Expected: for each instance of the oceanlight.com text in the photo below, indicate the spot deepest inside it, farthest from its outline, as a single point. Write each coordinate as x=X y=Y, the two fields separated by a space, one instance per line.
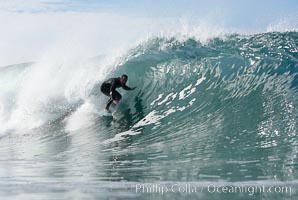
x=188 y=188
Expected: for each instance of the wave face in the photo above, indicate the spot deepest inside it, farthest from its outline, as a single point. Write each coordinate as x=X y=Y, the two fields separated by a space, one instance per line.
x=223 y=110
x=240 y=89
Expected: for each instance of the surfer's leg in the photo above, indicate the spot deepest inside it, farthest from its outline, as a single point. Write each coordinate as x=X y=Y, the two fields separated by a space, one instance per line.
x=109 y=104
x=116 y=97
x=105 y=88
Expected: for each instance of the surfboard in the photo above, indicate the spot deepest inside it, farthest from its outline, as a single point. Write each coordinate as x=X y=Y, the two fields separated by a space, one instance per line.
x=104 y=113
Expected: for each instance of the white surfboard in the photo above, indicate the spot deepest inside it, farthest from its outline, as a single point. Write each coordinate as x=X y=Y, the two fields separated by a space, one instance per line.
x=103 y=113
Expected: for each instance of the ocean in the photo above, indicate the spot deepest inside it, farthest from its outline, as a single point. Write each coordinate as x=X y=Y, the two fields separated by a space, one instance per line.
x=214 y=119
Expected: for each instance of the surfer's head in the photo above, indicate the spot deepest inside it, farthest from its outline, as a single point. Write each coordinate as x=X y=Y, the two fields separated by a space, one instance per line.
x=123 y=79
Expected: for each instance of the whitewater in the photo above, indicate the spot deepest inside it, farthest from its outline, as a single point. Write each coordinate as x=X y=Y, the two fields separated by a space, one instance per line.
x=220 y=110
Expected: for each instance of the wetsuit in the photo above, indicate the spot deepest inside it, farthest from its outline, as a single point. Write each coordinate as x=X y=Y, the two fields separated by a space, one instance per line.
x=110 y=86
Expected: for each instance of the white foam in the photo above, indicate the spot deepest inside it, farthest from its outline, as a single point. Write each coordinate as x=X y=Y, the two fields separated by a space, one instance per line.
x=283 y=25
x=171 y=95
x=200 y=80
x=82 y=118
x=182 y=93
x=156 y=100
x=151 y=118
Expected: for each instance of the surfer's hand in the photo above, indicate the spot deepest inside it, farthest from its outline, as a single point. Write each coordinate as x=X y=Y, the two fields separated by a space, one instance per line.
x=133 y=88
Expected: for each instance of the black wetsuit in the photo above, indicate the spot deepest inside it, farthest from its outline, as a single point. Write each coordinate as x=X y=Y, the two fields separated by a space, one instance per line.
x=110 y=86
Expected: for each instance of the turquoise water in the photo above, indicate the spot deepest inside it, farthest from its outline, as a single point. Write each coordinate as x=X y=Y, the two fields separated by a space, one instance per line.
x=209 y=120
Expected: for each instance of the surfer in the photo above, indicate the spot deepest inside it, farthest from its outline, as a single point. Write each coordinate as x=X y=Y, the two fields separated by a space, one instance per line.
x=109 y=89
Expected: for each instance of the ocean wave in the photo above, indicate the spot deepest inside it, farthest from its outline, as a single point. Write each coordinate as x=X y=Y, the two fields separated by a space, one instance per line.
x=182 y=79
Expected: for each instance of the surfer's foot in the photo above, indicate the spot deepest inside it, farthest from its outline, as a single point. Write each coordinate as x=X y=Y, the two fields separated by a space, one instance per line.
x=107 y=110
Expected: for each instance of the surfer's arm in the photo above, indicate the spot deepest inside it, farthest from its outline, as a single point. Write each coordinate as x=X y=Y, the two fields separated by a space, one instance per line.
x=125 y=87
x=113 y=87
